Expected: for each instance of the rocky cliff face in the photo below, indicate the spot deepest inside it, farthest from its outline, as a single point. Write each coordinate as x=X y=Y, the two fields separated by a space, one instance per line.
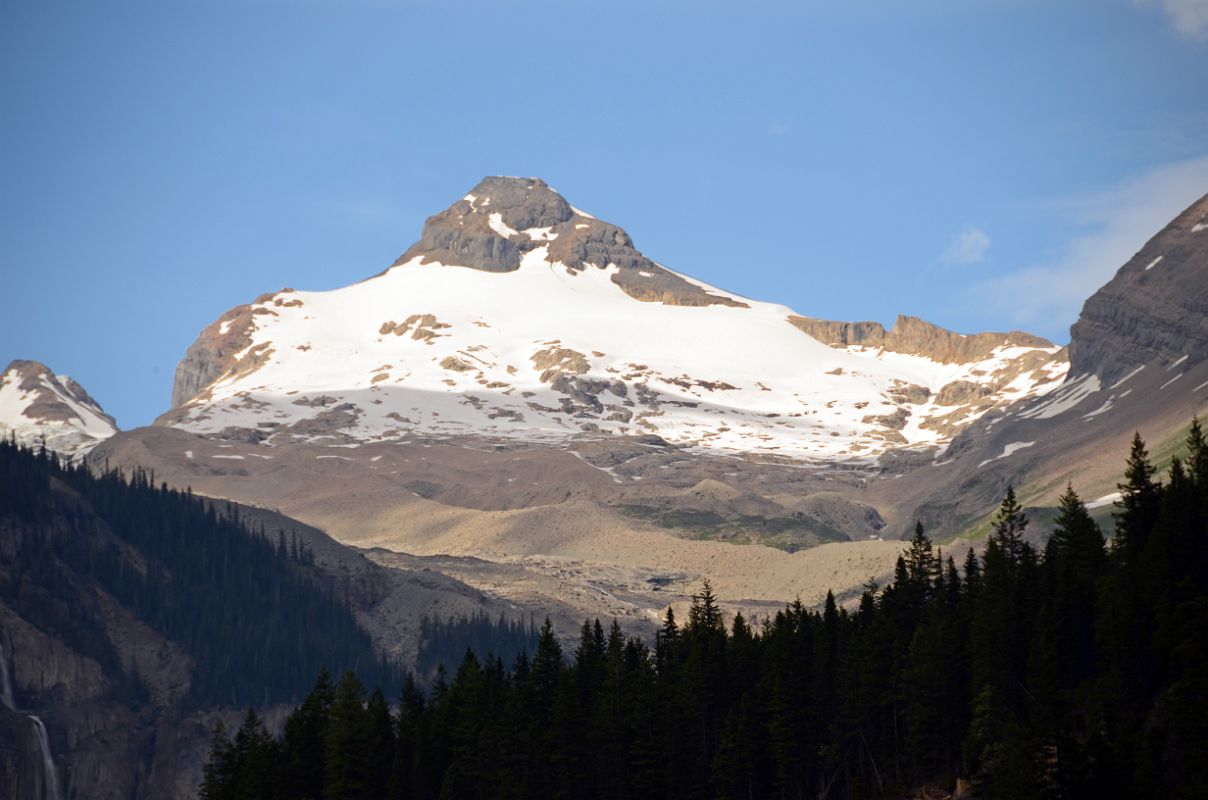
x=1155 y=308
x=214 y=353
x=502 y=219
x=22 y=773
x=38 y=406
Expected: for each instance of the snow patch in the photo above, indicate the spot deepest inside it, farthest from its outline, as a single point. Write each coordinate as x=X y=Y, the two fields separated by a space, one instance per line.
x=1013 y=447
x=1101 y=409
x=1065 y=398
x=495 y=220
x=1126 y=377
x=1153 y=263
x=541 y=234
x=1105 y=500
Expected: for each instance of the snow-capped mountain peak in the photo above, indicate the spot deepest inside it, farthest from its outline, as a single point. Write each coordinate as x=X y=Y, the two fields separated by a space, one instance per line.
x=38 y=406
x=517 y=316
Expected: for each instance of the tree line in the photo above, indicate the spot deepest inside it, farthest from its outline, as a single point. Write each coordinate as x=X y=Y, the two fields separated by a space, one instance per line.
x=1076 y=670
x=443 y=642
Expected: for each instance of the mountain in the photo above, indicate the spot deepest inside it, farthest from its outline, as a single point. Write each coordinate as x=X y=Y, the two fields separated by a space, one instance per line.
x=1138 y=363
x=38 y=406
x=518 y=316
x=536 y=409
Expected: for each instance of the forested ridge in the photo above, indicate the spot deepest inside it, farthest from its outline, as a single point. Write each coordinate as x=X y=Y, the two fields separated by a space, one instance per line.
x=1080 y=670
x=244 y=604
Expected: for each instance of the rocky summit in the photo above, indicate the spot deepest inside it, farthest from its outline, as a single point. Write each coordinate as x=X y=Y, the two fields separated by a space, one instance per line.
x=502 y=219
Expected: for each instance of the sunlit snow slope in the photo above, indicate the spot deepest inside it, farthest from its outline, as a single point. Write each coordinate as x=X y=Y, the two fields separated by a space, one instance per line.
x=39 y=407
x=543 y=350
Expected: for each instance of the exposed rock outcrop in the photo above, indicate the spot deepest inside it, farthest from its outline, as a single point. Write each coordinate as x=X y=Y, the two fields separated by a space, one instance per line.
x=1155 y=308
x=215 y=351
x=916 y=337
x=502 y=218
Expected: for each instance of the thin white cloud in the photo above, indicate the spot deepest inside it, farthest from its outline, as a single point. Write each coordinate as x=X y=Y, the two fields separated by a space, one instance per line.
x=969 y=247
x=1189 y=17
x=1117 y=223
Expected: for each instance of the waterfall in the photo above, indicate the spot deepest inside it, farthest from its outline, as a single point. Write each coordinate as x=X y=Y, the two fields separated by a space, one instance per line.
x=6 y=684
x=48 y=763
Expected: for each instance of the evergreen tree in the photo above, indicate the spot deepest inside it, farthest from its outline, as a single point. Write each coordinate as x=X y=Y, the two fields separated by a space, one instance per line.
x=412 y=709
x=347 y=773
x=218 y=775
x=547 y=666
x=1197 y=453
x=921 y=562
x=1002 y=615
x=1009 y=526
x=1076 y=539
x=1075 y=564
x=1137 y=506
x=384 y=747
x=972 y=572
x=255 y=755
x=304 y=741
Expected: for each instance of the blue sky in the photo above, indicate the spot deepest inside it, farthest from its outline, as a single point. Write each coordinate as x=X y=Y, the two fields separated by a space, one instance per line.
x=984 y=165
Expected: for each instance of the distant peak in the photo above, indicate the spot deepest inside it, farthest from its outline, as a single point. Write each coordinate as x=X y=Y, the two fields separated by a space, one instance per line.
x=42 y=407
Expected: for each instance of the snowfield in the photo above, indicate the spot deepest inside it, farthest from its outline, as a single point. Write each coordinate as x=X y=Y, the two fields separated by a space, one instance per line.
x=545 y=353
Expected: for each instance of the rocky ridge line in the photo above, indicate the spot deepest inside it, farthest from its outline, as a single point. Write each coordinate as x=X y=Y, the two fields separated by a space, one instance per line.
x=916 y=337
